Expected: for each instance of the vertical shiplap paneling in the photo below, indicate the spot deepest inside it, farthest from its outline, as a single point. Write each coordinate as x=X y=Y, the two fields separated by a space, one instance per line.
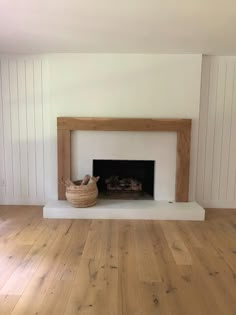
x=231 y=185
x=7 y=126
x=23 y=126
x=39 y=135
x=202 y=131
x=217 y=143
x=226 y=130
x=210 y=129
x=22 y=170
x=218 y=130
x=2 y=145
x=31 y=132
x=49 y=140
x=15 y=131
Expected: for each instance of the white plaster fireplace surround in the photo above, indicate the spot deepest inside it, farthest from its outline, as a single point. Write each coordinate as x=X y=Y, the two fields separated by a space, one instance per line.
x=128 y=145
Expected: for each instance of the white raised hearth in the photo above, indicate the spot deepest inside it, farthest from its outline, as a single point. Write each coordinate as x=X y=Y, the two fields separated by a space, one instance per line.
x=127 y=209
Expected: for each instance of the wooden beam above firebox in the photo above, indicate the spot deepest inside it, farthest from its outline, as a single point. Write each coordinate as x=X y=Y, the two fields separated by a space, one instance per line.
x=122 y=124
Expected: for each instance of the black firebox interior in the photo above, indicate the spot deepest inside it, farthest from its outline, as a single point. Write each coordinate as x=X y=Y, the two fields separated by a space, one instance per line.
x=138 y=170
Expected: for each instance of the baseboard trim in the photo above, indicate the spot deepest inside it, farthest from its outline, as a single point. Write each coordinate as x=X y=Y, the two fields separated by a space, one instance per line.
x=217 y=204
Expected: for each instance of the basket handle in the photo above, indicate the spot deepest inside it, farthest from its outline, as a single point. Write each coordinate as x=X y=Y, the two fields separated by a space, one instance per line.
x=94 y=179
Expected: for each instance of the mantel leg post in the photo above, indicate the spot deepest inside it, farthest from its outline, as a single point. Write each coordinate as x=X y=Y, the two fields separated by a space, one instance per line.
x=63 y=160
x=183 y=165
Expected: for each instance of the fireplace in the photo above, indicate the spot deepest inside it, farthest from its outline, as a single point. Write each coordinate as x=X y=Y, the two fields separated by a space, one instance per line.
x=125 y=179
x=182 y=127
x=143 y=147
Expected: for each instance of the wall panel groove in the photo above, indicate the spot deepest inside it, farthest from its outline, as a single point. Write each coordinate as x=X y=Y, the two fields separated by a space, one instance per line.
x=2 y=143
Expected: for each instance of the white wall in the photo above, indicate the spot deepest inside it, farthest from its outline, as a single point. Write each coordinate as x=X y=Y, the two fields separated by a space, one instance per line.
x=125 y=85
x=112 y=85
x=128 y=85
x=216 y=178
x=157 y=146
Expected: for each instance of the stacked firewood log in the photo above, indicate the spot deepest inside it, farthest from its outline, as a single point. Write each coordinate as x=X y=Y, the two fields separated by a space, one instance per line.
x=85 y=181
x=123 y=184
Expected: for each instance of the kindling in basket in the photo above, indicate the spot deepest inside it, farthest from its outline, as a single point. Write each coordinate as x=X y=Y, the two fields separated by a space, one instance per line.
x=82 y=193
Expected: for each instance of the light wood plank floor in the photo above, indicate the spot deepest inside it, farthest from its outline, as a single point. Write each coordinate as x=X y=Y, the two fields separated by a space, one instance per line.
x=101 y=267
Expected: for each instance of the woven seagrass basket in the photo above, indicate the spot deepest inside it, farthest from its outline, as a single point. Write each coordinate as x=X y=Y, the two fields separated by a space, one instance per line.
x=82 y=196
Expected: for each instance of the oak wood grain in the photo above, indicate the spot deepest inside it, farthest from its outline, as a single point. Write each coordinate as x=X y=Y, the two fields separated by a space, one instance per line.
x=104 y=267
x=122 y=124
x=183 y=164
x=63 y=160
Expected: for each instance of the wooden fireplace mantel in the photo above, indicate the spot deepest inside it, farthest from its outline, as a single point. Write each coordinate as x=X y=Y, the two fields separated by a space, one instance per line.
x=182 y=126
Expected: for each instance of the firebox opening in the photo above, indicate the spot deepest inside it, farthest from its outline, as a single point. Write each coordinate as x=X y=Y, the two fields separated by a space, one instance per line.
x=125 y=179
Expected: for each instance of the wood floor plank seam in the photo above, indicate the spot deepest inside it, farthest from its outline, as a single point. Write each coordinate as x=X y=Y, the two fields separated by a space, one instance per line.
x=116 y=267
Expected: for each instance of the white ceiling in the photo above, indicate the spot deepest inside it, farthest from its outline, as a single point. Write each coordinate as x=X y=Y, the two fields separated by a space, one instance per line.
x=145 y=26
